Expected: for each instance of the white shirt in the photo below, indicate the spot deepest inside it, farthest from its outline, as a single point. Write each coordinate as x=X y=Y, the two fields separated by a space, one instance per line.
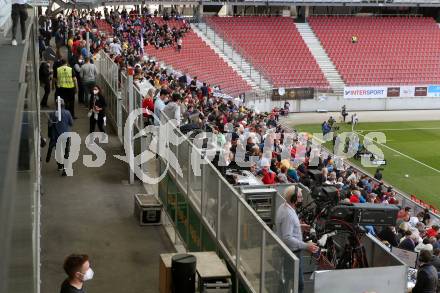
x=115 y=48
x=158 y=107
x=19 y=2
x=288 y=228
x=172 y=111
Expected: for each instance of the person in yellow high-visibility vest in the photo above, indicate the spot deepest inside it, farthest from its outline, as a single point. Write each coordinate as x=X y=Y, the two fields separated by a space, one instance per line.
x=67 y=85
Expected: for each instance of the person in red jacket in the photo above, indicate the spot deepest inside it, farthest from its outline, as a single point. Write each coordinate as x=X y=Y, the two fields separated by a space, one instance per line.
x=433 y=231
x=354 y=198
x=268 y=176
x=148 y=107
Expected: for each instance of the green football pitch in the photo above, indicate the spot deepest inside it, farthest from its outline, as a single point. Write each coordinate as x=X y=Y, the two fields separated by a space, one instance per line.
x=412 y=154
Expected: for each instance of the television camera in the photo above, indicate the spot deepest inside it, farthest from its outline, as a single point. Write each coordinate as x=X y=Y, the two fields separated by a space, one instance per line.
x=338 y=227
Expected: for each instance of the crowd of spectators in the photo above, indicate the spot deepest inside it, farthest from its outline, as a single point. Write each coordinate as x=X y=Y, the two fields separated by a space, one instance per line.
x=244 y=135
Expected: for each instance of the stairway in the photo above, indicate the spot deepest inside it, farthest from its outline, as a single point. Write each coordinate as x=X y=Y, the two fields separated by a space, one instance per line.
x=252 y=76
x=321 y=57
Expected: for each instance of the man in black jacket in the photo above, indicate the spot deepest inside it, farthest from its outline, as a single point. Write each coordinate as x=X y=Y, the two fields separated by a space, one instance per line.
x=388 y=234
x=436 y=259
x=427 y=277
x=44 y=77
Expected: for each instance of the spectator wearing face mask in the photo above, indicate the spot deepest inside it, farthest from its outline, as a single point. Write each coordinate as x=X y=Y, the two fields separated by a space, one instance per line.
x=78 y=270
x=97 y=110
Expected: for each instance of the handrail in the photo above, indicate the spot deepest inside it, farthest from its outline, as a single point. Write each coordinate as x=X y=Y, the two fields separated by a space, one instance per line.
x=239 y=50
x=16 y=91
x=267 y=234
x=236 y=196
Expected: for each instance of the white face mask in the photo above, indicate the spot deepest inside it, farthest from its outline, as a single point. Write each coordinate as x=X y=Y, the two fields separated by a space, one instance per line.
x=88 y=275
x=95 y=92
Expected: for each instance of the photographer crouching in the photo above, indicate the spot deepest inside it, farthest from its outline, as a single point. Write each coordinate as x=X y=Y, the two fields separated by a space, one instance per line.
x=289 y=230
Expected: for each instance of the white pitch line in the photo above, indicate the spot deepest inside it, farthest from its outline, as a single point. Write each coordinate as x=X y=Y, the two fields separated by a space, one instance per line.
x=400 y=129
x=404 y=155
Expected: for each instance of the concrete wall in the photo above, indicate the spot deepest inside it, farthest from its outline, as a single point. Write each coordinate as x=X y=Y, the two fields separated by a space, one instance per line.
x=335 y=104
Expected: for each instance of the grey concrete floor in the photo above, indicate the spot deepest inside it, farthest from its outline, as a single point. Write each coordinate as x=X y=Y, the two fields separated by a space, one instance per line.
x=92 y=213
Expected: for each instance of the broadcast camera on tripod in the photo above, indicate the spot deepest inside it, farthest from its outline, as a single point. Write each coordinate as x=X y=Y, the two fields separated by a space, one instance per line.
x=338 y=228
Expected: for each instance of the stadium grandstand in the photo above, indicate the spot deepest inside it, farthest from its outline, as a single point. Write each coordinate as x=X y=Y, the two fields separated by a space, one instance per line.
x=220 y=146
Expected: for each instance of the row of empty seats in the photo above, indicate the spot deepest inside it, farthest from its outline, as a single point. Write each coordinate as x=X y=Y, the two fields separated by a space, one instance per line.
x=103 y=26
x=274 y=46
x=197 y=59
x=389 y=51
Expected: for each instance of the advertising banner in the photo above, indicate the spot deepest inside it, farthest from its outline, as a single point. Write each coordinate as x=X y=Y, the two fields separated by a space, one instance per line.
x=365 y=92
x=393 y=92
x=434 y=91
x=39 y=2
x=5 y=11
x=407 y=91
x=420 y=91
x=294 y=94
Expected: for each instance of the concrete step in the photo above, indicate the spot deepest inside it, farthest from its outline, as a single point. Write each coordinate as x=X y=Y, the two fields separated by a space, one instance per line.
x=228 y=55
x=325 y=63
x=227 y=52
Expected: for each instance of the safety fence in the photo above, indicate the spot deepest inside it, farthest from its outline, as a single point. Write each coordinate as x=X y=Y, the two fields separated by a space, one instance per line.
x=205 y=210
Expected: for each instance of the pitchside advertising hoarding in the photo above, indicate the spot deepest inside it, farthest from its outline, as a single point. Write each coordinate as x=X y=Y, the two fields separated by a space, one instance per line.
x=434 y=91
x=293 y=94
x=382 y=92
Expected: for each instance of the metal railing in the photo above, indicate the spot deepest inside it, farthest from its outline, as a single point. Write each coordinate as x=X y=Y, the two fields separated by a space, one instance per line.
x=250 y=246
x=20 y=173
x=235 y=53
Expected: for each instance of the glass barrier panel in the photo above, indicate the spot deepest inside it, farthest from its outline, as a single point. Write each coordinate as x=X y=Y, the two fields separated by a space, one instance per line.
x=182 y=216
x=278 y=267
x=163 y=186
x=138 y=105
x=183 y=163
x=171 y=198
x=250 y=246
x=210 y=196
x=195 y=182
x=194 y=226
x=124 y=90
x=172 y=148
x=228 y=218
x=207 y=242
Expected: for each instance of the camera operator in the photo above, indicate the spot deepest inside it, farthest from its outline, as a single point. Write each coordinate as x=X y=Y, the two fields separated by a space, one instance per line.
x=289 y=229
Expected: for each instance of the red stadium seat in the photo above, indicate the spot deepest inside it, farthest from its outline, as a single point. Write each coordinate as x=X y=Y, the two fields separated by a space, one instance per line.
x=198 y=59
x=274 y=46
x=389 y=51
